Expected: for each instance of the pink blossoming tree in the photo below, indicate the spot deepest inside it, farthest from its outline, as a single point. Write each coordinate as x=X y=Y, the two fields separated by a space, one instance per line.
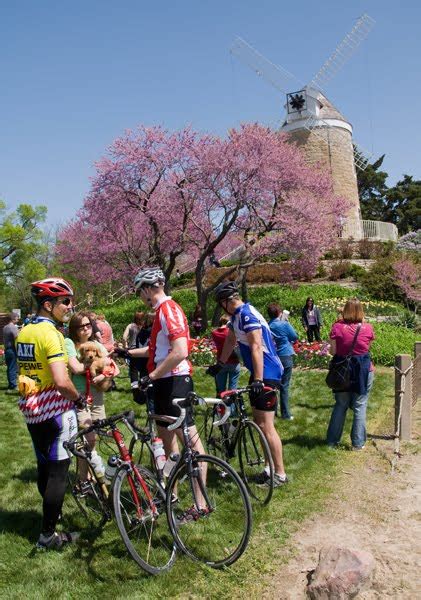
x=158 y=197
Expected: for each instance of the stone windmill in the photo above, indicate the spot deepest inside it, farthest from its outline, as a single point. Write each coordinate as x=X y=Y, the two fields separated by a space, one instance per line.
x=314 y=123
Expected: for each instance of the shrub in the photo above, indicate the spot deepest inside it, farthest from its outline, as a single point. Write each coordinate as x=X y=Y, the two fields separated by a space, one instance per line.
x=346 y=249
x=356 y=271
x=379 y=281
x=321 y=271
x=366 y=249
x=410 y=242
x=340 y=270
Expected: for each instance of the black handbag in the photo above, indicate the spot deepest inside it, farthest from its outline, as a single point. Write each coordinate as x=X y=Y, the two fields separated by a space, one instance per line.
x=338 y=378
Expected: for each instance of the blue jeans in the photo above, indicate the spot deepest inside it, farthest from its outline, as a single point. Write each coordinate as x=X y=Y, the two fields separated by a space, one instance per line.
x=287 y=363
x=358 y=403
x=229 y=373
x=12 y=367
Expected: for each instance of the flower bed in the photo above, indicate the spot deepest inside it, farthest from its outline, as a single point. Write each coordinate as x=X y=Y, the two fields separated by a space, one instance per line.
x=314 y=355
x=202 y=352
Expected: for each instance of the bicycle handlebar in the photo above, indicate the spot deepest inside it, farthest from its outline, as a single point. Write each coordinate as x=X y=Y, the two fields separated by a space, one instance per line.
x=191 y=400
x=70 y=445
x=229 y=395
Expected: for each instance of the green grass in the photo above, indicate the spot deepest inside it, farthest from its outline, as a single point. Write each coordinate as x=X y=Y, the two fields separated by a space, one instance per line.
x=99 y=567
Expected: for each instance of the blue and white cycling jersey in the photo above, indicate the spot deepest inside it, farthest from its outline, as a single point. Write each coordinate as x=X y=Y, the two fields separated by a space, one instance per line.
x=245 y=319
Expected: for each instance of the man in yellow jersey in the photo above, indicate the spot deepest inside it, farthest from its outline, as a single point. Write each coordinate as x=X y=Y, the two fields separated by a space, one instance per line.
x=48 y=399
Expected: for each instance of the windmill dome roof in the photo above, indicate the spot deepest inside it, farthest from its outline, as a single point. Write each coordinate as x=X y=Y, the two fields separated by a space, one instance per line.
x=327 y=110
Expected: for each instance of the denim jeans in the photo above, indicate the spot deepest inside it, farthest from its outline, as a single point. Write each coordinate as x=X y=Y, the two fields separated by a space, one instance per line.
x=12 y=367
x=229 y=373
x=287 y=363
x=358 y=403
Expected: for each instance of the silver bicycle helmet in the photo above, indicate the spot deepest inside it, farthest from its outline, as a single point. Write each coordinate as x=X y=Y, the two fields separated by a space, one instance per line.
x=148 y=276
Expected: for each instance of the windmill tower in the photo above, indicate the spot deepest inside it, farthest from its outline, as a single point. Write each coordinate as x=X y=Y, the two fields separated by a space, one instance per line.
x=315 y=124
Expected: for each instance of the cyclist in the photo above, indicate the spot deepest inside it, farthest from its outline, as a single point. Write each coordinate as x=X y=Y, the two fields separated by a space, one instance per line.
x=168 y=349
x=258 y=352
x=48 y=399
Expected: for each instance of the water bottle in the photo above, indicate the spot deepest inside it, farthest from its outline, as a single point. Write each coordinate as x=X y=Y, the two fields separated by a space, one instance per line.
x=232 y=427
x=170 y=464
x=97 y=464
x=111 y=468
x=159 y=453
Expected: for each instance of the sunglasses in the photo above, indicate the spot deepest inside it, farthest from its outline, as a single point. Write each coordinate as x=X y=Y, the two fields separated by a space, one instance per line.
x=85 y=325
x=65 y=301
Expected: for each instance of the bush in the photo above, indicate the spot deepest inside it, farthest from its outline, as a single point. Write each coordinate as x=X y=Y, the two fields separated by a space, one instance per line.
x=379 y=282
x=340 y=270
x=356 y=271
x=321 y=271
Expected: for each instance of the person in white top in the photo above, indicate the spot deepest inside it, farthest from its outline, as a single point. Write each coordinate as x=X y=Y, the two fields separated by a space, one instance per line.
x=168 y=349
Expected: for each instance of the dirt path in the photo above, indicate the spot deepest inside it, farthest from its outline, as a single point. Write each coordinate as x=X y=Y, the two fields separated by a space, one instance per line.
x=372 y=510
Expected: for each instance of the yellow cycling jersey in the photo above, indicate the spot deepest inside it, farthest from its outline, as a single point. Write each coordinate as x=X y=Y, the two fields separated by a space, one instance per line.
x=38 y=345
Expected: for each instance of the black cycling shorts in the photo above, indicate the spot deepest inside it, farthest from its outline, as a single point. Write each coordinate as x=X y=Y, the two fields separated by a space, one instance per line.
x=167 y=388
x=266 y=401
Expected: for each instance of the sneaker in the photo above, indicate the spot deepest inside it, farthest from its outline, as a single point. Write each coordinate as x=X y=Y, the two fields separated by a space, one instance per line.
x=83 y=488
x=358 y=448
x=289 y=418
x=278 y=482
x=261 y=478
x=56 y=541
x=191 y=515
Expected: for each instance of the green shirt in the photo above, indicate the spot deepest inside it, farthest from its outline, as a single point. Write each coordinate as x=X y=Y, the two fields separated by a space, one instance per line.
x=79 y=380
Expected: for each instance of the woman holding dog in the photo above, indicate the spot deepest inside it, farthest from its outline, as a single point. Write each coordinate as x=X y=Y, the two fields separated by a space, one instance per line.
x=81 y=332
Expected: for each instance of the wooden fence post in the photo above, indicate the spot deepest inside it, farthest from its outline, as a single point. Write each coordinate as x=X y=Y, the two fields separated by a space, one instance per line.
x=403 y=362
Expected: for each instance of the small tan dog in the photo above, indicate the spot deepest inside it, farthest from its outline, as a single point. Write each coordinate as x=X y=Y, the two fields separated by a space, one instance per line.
x=93 y=360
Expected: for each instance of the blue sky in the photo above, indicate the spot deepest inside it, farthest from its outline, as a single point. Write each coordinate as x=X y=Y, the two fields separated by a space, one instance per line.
x=75 y=75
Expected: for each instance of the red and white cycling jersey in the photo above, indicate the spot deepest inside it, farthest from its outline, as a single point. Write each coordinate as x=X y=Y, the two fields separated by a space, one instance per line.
x=170 y=324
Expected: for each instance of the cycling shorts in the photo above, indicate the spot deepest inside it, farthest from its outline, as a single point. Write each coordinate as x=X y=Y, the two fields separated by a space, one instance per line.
x=48 y=436
x=267 y=402
x=167 y=388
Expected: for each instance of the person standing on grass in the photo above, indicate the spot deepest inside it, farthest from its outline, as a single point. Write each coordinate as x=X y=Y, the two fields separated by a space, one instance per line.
x=342 y=337
x=258 y=352
x=231 y=371
x=48 y=400
x=311 y=319
x=10 y=333
x=284 y=335
x=169 y=369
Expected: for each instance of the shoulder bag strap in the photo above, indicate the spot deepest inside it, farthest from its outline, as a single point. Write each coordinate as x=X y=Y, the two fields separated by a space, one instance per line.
x=355 y=339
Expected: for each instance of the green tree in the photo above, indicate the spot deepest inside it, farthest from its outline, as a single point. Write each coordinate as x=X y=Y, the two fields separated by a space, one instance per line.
x=372 y=190
x=22 y=251
x=404 y=205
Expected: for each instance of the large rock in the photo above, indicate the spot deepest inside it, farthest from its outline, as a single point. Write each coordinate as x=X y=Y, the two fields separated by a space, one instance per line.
x=341 y=573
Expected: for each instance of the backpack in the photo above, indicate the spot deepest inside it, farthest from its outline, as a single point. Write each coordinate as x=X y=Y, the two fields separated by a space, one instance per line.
x=338 y=378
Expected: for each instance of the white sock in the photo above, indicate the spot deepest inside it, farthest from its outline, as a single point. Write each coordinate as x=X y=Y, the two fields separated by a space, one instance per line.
x=267 y=470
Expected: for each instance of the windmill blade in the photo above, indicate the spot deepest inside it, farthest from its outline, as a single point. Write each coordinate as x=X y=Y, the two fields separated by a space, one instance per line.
x=344 y=51
x=279 y=77
x=361 y=157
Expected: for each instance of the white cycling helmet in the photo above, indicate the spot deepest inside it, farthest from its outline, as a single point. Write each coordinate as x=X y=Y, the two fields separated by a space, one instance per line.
x=148 y=276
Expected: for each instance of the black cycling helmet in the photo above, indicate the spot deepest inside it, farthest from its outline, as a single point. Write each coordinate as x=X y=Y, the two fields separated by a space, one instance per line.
x=225 y=291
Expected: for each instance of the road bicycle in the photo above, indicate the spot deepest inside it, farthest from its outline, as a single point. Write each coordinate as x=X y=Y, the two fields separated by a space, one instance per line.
x=138 y=498
x=208 y=508
x=242 y=443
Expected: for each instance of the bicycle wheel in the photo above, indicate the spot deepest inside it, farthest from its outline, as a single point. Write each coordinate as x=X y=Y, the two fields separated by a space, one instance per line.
x=146 y=535
x=210 y=522
x=254 y=455
x=90 y=497
x=216 y=437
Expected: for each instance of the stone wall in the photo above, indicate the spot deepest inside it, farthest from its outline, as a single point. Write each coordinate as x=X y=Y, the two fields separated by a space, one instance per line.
x=335 y=150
